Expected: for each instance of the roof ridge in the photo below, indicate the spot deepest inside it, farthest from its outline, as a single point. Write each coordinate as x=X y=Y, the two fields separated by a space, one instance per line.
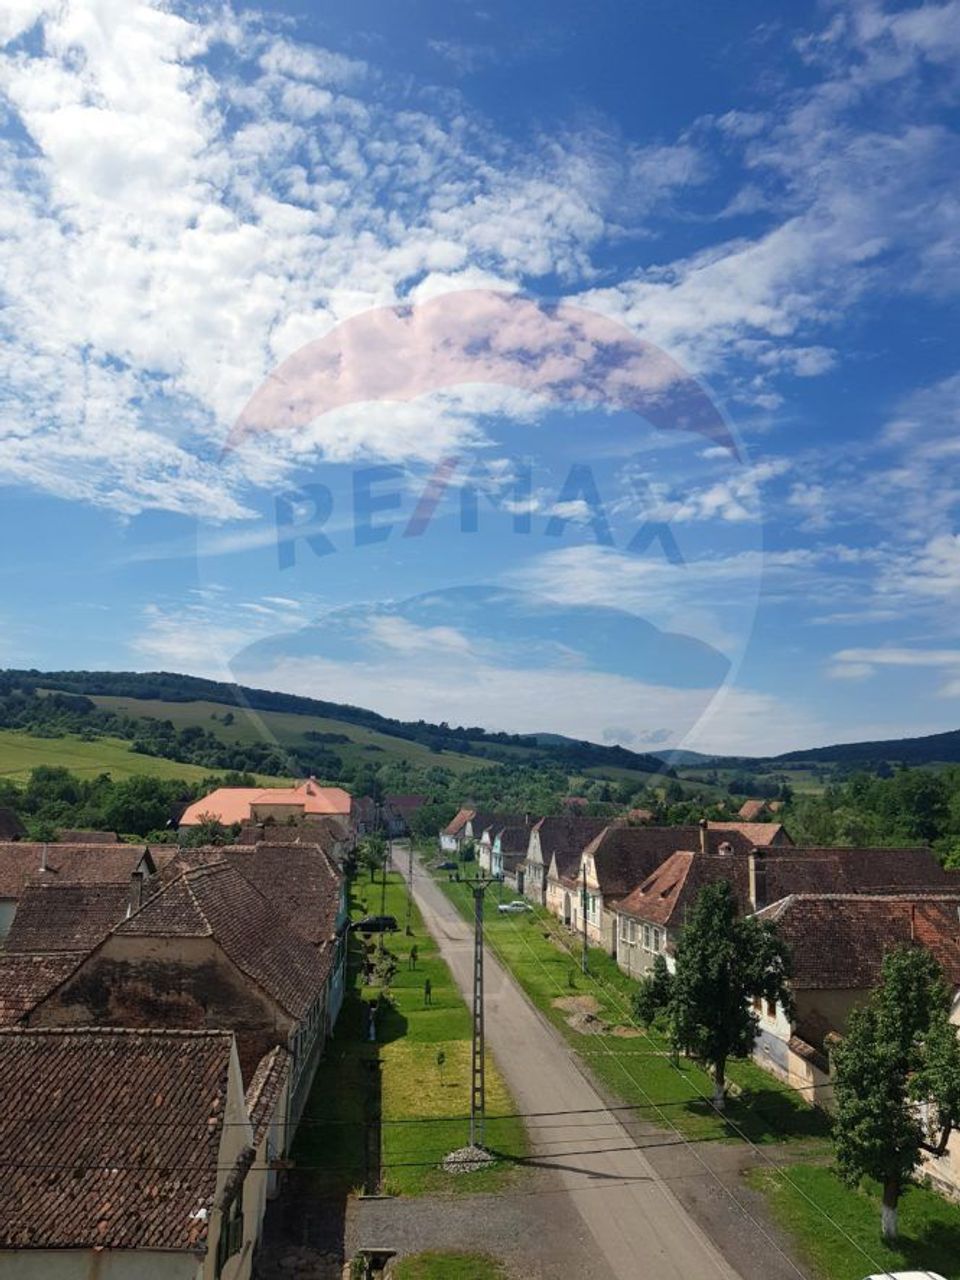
x=142 y=1032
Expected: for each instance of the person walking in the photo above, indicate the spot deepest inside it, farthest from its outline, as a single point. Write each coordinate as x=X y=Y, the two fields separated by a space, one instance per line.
x=427 y=992
x=413 y=956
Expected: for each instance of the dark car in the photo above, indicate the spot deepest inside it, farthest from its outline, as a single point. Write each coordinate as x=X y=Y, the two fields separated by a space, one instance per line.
x=448 y=866
x=376 y=924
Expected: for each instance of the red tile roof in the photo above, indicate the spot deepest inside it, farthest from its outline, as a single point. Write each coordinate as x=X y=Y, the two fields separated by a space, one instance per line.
x=838 y=941
x=26 y=978
x=846 y=870
x=265 y=1088
x=109 y=1138
x=66 y=917
x=455 y=826
x=21 y=862
x=664 y=897
x=217 y=901
x=565 y=837
x=300 y=879
x=626 y=856
x=88 y=837
x=234 y=804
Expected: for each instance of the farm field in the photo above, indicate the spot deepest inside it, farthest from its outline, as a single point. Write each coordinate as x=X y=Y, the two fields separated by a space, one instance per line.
x=289 y=729
x=21 y=752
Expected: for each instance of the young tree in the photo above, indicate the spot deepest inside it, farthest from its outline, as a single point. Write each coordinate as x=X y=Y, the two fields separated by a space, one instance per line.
x=724 y=963
x=372 y=854
x=900 y=1050
x=654 y=990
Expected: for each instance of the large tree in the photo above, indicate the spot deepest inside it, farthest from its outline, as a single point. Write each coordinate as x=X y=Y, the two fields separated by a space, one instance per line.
x=897 y=1079
x=723 y=964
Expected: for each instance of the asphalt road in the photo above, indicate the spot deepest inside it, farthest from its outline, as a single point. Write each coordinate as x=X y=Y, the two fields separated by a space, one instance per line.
x=639 y=1227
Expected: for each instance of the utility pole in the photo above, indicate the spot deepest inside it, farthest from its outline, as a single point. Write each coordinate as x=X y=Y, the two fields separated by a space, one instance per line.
x=584 y=966
x=383 y=888
x=477 y=1073
x=410 y=888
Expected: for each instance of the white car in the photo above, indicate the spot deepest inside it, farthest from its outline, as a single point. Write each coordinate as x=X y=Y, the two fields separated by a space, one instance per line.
x=509 y=908
x=906 y=1275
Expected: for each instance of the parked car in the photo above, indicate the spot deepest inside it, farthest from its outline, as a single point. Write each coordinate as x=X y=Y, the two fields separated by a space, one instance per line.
x=514 y=907
x=376 y=924
x=906 y=1275
x=448 y=866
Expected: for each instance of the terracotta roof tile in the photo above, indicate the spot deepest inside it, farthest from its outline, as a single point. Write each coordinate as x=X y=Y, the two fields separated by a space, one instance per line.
x=565 y=837
x=110 y=1139
x=217 y=901
x=233 y=804
x=26 y=978
x=264 y=1090
x=66 y=917
x=21 y=862
x=455 y=826
x=626 y=856
x=838 y=941
x=664 y=897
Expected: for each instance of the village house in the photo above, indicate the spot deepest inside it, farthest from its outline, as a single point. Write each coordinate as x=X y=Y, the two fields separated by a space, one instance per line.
x=207 y=951
x=132 y=1153
x=305 y=885
x=484 y=829
x=508 y=853
x=618 y=860
x=649 y=918
x=759 y=810
x=229 y=805
x=399 y=810
x=837 y=944
x=25 y=862
x=454 y=834
x=562 y=838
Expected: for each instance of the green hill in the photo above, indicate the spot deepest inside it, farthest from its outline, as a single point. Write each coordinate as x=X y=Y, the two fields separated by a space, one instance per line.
x=20 y=752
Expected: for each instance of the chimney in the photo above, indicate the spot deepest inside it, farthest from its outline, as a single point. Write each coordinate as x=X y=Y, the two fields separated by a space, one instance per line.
x=136 y=891
x=757 y=872
x=703 y=835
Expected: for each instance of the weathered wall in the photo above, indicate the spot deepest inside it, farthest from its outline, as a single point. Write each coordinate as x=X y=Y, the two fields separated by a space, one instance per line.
x=167 y=982
x=86 y=1264
x=8 y=909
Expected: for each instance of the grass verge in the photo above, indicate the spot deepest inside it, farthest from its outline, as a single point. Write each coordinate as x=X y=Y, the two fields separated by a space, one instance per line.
x=423 y=1102
x=448 y=1266
x=636 y=1068
x=803 y=1198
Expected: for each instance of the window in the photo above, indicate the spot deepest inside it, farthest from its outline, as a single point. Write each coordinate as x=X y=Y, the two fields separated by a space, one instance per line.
x=657 y=939
x=231 y=1233
x=633 y=932
x=646 y=937
x=623 y=928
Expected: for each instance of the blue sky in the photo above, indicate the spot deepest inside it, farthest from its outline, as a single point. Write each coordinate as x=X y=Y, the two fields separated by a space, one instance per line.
x=765 y=194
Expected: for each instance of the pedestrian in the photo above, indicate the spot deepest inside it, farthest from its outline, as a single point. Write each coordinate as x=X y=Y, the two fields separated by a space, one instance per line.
x=427 y=992
x=413 y=956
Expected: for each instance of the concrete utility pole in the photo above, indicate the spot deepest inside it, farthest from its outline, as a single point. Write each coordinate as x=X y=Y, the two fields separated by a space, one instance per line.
x=410 y=887
x=584 y=965
x=478 y=1101
x=383 y=887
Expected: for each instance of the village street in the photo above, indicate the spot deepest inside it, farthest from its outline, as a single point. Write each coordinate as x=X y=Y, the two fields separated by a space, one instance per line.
x=636 y=1223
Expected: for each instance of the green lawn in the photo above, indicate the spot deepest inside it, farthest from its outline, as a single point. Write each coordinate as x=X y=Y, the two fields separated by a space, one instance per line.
x=289 y=729
x=20 y=752
x=424 y=1105
x=544 y=958
x=838 y=1230
x=448 y=1266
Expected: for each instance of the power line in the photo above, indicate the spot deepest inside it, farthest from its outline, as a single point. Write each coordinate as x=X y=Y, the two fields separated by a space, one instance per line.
x=726 y=1119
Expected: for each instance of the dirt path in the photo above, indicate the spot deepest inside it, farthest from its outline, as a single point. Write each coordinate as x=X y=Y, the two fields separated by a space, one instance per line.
x=638 y=1226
